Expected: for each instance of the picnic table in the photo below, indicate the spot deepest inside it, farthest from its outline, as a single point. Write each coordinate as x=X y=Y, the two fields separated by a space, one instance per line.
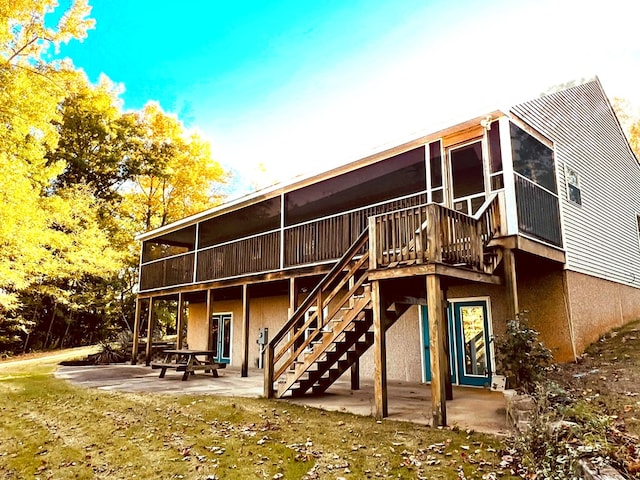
x=188 y=361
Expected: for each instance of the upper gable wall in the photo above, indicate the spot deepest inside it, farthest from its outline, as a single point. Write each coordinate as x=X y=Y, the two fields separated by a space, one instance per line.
x=601 y=235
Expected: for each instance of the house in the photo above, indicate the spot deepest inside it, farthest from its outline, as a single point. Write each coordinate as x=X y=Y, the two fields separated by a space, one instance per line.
x=407 y=263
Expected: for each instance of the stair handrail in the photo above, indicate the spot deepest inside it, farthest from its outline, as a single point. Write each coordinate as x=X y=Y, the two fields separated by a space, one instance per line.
x=488 y=213
x=313 y=297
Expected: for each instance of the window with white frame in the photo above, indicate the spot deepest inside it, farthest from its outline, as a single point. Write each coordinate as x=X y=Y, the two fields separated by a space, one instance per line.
x=574 y=194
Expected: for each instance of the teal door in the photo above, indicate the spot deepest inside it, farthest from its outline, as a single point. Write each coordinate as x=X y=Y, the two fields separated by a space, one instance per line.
x=221 y=337
x=469 y=348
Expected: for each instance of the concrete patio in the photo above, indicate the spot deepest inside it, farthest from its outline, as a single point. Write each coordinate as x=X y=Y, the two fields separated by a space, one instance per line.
x=472 y=408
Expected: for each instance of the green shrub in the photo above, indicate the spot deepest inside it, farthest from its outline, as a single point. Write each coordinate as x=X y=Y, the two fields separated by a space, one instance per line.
x=521 y=357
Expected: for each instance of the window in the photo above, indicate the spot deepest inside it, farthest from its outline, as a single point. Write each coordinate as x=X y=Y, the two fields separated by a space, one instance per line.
x=173 y=243
x=573 y=187
x=466 y=170
x=254 y=219
x=638 y=223
x=533 y=159
x=394 y=177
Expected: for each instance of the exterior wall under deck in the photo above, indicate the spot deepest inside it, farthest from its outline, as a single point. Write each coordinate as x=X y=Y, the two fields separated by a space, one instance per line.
x=269 y=312
x=541 y=293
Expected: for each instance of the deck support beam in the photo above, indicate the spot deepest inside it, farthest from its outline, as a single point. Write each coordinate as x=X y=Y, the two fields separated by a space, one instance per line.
x=150 y=325
x=293 y=296
x=355 y=375
x=180 y=321
x=379 y=351
x=136 y=333
x=244 y=370
x=437 y=336
x=209 y=319
x=510 y=282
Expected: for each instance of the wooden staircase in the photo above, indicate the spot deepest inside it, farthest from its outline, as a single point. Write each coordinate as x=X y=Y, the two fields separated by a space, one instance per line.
x=328 y=332
x=333 y=326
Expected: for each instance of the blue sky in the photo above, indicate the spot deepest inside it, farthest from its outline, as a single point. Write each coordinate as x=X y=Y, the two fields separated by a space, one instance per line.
x=286 y=87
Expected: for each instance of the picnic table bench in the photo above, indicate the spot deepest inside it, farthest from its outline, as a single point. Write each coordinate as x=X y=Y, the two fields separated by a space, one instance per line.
x=187 y=361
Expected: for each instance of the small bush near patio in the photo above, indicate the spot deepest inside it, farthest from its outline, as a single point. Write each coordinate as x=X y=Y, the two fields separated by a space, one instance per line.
x=521 y=357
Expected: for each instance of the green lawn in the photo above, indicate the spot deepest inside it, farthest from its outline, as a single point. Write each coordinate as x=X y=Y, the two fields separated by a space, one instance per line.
x=50 y=429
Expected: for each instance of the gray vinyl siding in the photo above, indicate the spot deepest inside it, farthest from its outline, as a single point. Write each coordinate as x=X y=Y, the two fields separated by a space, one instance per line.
x=601 y=236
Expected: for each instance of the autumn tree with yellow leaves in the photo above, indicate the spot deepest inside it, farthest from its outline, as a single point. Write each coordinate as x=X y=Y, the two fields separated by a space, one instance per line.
x=80 y=179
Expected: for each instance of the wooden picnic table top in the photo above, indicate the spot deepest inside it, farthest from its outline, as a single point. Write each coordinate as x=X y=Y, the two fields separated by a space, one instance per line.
x=186 y=351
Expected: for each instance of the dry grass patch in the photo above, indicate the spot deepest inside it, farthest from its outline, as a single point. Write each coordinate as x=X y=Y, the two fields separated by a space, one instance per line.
x=53 y=430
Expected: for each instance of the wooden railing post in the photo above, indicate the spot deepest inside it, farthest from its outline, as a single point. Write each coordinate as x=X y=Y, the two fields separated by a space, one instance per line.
x=502 y=211
x=268 y=371
x=477 y=239
x=434 y=237
x=373 y=244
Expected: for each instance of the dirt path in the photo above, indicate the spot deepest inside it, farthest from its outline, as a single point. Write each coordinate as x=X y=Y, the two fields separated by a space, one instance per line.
x=49 y=358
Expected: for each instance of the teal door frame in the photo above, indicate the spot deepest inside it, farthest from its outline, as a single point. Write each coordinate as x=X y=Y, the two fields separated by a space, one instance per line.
x=222 y=324
x=426 y=358
x=471 y=362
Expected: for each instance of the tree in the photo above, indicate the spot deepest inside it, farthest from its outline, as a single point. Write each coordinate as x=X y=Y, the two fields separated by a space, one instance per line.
x=629 y=121
x=176 y=175
x=80 y=179
x=25 y=36
x=29 y=96
x=93 y=142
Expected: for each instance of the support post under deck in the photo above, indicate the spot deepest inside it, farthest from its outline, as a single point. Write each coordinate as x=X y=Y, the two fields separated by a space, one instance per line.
x=355 y=375
x=179 y=322
x=379 y=352
x=150 y=326
x=437 y=334
x=136 y=334
x=210 y=345
x=510 y=282
x=244 y=370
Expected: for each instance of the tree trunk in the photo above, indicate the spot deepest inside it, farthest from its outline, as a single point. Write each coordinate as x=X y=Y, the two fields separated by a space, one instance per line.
x=53 y=317
x=66 y=331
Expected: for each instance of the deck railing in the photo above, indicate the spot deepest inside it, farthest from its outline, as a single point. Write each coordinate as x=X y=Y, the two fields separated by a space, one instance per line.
x=260 y=253
x=308 y=243
x=433 y=233
x=328 y=238
x=176 y=270
x=538 y=211
x=407 y=230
